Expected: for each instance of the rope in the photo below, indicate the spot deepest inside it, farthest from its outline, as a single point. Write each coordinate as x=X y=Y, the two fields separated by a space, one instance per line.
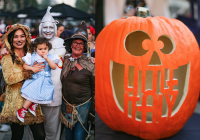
x=92 y=115
x=77 y=105
x=87 y=137
x=74 y=110
x=84 y=128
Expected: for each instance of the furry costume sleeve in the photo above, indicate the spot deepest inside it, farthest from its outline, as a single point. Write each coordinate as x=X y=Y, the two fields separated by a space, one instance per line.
x=12 y=72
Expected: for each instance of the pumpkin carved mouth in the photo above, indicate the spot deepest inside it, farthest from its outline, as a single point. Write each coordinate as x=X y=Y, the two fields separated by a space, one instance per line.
x=149 y=94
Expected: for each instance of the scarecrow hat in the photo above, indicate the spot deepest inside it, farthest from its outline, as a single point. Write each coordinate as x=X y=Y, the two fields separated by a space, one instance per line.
x=80 y=33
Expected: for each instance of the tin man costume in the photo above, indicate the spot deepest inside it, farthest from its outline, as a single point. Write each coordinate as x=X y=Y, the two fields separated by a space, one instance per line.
x=48 y=29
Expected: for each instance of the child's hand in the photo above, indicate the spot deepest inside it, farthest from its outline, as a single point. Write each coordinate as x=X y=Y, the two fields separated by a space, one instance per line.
x=45 y=57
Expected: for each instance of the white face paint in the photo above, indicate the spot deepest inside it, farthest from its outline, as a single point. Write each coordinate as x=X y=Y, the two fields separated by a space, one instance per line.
x=48 y=30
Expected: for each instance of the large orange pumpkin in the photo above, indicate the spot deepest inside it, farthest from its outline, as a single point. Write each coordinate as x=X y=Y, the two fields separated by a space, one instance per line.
x=147 y=76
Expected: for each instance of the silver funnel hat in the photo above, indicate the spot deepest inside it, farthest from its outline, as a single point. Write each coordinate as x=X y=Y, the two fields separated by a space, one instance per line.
x=48 y=28
x=48 y=17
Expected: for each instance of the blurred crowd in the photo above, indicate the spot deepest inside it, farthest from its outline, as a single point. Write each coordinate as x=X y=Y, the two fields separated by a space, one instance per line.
x=34 y=25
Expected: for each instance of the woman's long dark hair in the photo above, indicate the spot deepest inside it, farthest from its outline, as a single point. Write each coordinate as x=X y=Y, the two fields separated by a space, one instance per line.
x=10 y=40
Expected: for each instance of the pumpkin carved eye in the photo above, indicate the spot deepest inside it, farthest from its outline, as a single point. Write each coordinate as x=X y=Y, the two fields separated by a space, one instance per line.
x=169 y=44
x=133 y=43
x=137 y=43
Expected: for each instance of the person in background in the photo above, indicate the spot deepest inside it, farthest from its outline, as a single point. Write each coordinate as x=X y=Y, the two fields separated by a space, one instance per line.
x=66 y=34
x=91 y=39
x=5 y=126
x=1 y=44
x=75 y=27
x=27 y=23
x=2 y=27
x=33 y=33
x=60 y=29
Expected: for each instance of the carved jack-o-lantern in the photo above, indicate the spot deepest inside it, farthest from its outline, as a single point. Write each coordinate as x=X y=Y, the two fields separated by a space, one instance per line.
x=147 y=81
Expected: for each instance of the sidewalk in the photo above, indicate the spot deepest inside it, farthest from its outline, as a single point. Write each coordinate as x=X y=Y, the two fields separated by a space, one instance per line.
x=7 y=135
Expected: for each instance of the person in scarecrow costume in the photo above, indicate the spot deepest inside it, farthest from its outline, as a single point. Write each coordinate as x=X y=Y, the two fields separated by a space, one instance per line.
x=78 y=85
x=17 y=41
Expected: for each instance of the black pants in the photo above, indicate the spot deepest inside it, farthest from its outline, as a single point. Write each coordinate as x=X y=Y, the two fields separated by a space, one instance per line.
x=62 y=128
x=37 y=130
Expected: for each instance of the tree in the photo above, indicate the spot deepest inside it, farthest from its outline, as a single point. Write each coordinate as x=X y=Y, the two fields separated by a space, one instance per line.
x=33 y=3
x=44 y=4
x=87 y=6
x=26 y=3
x=19 y=4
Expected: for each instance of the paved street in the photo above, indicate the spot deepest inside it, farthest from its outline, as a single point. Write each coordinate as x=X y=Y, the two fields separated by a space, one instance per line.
x=7 y=135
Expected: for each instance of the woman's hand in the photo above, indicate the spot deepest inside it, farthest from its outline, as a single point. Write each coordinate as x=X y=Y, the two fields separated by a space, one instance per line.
x=92 y=60
x=35 y=70
x=4 y=51
x=38 y=67
x=2 y=97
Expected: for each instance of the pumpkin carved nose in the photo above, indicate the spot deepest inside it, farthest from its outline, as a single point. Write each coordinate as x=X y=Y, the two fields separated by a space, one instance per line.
x=155 y=59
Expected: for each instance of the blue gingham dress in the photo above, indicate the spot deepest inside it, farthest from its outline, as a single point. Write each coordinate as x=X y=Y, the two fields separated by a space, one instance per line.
x=39 y=89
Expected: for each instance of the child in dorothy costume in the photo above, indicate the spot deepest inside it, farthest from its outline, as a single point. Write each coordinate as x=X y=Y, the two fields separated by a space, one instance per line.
x=39 y=89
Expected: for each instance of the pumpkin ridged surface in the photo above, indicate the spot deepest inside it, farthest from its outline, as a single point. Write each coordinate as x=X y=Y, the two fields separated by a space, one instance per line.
x=110 y=45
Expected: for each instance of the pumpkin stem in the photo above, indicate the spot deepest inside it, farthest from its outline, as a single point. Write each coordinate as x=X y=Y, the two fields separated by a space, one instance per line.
x=143 y=12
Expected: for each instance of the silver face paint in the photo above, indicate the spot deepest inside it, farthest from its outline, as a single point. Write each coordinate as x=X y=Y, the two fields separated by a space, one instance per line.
x=48 y=30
